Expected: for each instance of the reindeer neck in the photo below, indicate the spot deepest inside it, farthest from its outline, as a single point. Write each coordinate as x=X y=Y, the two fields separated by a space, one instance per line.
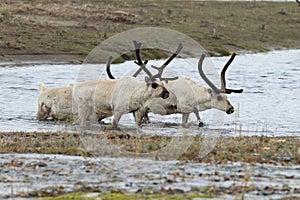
x=204 y=99
x=139 y=97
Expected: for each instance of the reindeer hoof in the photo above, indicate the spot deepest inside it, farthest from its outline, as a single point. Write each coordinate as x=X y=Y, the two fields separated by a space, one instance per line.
x=201 y=124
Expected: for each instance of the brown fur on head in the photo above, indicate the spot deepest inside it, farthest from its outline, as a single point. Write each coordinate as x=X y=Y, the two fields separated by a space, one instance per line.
x=157 y=87
x=43 y=112
x=43 y=109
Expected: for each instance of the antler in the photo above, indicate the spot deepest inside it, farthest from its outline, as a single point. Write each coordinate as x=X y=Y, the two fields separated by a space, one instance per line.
x=139 y=61
x=223 y=81
x=108 y=68
x=161 y=68
x=142 y=64
x=211 y=85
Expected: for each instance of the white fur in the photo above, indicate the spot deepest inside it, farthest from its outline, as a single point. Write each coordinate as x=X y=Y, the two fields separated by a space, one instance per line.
x=55 y=102
x=113 y=97
x=190 y=97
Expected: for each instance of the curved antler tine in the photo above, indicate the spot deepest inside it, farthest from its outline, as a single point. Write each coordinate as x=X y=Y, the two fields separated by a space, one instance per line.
x=161 y=69
x=223 y=80
x=165 y=79
x=229 y=91
x=211 y=85
x=179 y=48
x=169 y=79
x=139 y=61
x=137 y=72
x=137 y=46
x=109 y=60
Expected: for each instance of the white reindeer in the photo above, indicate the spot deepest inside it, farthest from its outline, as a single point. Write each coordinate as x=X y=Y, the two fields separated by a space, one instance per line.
x=190 y=96
x=54 y=102
x=115 y=97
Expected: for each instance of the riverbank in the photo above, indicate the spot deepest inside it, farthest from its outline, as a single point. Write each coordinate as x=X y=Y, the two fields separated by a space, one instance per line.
x=36 y=165
x=69 y=30
x=255 y=149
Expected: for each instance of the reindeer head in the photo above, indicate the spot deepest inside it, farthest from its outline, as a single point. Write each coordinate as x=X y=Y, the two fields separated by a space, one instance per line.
x=156 y=87
x=218 y=98
x=44 y=110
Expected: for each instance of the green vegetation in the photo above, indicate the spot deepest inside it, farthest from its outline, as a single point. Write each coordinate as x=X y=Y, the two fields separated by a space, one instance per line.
x=255 y=149
x=76 y=27
x=119 y=195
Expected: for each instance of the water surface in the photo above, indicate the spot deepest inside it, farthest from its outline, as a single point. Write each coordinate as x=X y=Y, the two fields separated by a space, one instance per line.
x=269 y=104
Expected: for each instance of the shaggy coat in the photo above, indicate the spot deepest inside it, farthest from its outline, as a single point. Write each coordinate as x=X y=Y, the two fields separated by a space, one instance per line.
x=115 y=97
x=55 y=102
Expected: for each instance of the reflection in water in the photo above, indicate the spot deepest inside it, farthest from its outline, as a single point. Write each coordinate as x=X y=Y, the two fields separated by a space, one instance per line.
x=269 y=104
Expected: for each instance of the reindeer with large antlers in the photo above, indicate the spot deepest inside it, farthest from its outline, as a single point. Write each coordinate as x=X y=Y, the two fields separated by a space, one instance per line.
x=190 y=96
x=115 y=97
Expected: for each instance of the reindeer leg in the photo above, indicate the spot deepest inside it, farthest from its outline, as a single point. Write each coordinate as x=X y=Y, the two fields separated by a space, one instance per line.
x=200 y=123
x=83 y=112
x=138 y=118
x=116 y=119
x=185 y=117
x=145 y=118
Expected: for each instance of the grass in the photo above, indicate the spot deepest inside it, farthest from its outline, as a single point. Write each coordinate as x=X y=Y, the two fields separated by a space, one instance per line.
x=120 y=195
x=255 y=149
x=78 y=26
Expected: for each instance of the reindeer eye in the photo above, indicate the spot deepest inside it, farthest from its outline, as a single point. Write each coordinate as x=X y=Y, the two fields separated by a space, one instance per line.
x=154 y=85
x=219 y=98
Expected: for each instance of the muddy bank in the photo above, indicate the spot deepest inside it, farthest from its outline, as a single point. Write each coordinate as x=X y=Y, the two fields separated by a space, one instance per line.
x=76 y=27
x=42 y=58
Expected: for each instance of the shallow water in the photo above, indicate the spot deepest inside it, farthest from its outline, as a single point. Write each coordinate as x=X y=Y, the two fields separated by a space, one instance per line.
x=268 y=106
x=23 y=174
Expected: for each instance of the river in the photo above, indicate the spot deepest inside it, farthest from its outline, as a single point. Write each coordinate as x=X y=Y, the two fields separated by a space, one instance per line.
x=269 y=104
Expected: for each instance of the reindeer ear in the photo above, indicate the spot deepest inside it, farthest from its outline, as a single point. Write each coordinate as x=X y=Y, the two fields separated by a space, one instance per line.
x=41 y=86
x=148 y=80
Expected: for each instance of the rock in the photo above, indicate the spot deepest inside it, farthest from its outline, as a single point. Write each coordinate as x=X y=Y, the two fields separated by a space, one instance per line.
x=211 y=189
x=129 y=184
x=216 y=179
x=226 y=178
x=217 y=173
x=285 y=188
x=36 y=164
x=289 y=176
x=170 y=181
x=296 y=191
x=267 y=192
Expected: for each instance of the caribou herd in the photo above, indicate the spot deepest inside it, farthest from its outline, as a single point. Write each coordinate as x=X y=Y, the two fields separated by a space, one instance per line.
x=99 y=99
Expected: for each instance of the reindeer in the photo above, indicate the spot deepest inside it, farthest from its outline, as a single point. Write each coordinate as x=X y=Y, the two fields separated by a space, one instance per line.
x=55 y=102
x=190 y=97
x=116 y=97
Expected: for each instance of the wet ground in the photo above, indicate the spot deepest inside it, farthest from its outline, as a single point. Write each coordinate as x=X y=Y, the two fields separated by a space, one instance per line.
x=32 y=175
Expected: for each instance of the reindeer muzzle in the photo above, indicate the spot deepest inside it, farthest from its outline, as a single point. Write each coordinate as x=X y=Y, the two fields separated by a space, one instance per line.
x=230 y=111
x=165 y=94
